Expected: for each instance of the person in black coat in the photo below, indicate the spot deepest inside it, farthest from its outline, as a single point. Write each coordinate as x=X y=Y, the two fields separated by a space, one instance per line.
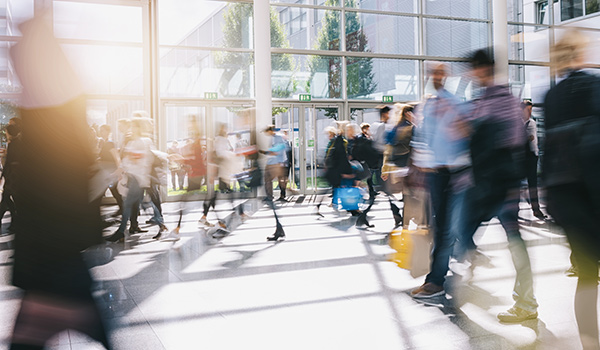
x=571 y=169
x=56 y=219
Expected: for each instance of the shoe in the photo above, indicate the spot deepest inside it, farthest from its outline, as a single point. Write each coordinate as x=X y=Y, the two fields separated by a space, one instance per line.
x=516 y=314
x=244 y=217
x=173 y=235
x=137 y=229
x=282 y=199
x=355 y=212
x=205 y=222
x=219 y=233
x=363 y=223
x=117 y=236
x=223 y=226
x=397 y=220
x=538 y=214
x=317 y=213
x=277 y=235
x=572 y=271
x=161 y=230
x=427 y=290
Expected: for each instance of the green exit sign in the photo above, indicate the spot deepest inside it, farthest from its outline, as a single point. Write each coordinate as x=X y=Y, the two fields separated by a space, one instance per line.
x=304 y=98
x=211 y=95
x=311 y=143
x=388 y=99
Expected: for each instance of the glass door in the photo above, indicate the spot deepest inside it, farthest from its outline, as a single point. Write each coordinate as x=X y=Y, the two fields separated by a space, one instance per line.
x=187 y=133
x=305 y=125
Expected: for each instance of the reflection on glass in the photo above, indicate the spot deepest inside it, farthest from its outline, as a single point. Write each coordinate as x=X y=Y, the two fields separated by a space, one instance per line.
x=187 y=72
x=108 y=69
x=372 y=78
x=205 y=23
x=458 y=8
x=383 y=5
x=361 y=115
x=311 y=2
x=302 y=28
x=319 y=76
x=454 y=38
x=529 y=82
x=97 y=22
x=528 y=43
x=286 y=119
x=363 y=33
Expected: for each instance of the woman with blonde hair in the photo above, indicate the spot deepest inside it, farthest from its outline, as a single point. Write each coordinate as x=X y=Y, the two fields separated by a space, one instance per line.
x=571 y=168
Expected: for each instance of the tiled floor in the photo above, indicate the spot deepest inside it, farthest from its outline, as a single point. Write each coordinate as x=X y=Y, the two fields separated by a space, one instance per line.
x=327 y=286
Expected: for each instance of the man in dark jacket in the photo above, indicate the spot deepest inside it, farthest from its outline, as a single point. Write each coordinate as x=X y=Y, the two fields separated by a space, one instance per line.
x=498 y=161
x=363 y=151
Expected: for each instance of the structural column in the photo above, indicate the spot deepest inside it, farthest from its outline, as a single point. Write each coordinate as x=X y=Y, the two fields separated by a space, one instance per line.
x=500 y=37
x=262 y=66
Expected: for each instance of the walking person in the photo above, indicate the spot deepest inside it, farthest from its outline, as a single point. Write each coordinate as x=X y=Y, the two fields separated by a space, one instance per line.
x=274 y=168
x=10 y=173
x=447 y=172
x=379 y=131
x=531 y=159
x=497 y=150
x=570 y=171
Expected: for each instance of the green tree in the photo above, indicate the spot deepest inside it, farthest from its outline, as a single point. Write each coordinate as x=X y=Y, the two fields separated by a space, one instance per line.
x=360 y=77
x=236 y=27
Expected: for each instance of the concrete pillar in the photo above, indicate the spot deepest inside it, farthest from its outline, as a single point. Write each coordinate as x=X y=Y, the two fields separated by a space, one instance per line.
x=262 y=67
x=500 y=37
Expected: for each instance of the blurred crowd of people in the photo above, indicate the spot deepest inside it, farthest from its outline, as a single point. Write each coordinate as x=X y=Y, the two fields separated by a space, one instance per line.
x=469 y=158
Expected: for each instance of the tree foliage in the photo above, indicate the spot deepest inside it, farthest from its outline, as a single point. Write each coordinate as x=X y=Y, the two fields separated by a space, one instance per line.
x=360 y=77
x=236 y=27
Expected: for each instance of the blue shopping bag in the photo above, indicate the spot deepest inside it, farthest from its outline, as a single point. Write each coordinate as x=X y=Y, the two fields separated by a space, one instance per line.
x=349 y=197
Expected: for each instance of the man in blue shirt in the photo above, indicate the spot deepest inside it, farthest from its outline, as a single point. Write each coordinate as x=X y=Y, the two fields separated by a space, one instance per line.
x=445 y=153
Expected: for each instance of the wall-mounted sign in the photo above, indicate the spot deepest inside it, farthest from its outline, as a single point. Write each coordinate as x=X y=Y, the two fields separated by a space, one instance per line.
x=311 y=143
x=211 y=95
x=304 y=98
x=388 y=99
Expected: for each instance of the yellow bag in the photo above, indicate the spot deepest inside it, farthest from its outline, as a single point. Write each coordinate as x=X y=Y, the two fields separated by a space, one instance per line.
x=413 y=250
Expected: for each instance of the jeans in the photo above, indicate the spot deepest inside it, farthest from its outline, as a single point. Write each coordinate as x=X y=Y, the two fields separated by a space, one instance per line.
x=447 y=205
x=506 y=207
x=131 y=203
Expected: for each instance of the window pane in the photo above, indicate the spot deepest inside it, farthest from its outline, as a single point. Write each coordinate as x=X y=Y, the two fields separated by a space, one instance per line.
x=457 y=8
x=454 y=38
x=531 y=82
x=372 y=78
x=193 y=72
x=205 y=23
x=108 y=69
x=302 y=28
x=311 y=2
x=319 y=76
x=97 y=22
x=523 y=11
x=384 y=5
x=591 y=6
x=110 y=111
x=12 y=13
x=528 y=44
x=364 y=33
x=571 y=9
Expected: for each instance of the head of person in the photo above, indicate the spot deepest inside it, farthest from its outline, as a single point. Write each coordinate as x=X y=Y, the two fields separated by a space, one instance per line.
x=174 y=144
x=270 y=130
x=15 y=121
x=384 y=113
x=438 y=73
x=351 y=130
x=286 y=134
x=405 y=113
x=104 y=131
x=365 y=128
x=569 y=53
x=12 y=130
x=526 y=107
x=482 y=66
x=140 y=127
x=331 y=132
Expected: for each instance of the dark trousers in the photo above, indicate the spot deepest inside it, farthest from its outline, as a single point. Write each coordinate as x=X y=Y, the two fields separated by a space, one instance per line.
x=532 y=180
x=116 y=195
x=7 y=204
